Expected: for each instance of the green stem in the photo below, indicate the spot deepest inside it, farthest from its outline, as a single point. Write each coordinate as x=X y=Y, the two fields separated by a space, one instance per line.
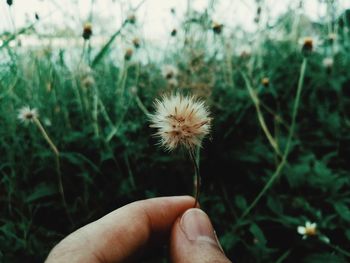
x=46 y=137
x=141 y=105
x=284 y=256
x=57 y=165
x=286 y=151
x=261 y=119
x=296 y=106
x=338 y=249
x=95 y=112
x=197 y=181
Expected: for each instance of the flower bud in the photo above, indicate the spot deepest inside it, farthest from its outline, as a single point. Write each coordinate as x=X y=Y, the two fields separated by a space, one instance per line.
x=307 y=46
x=173 y=32
x=265 y=81
x=128 y=54
x=217 y=28
x=136 y=42
x=87 y=31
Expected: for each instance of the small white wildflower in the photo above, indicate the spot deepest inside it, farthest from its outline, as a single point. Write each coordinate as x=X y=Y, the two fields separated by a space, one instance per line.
x=180 y=120
x=328 y=62
x=26 y=114
x=310 y=229
x=169 y=71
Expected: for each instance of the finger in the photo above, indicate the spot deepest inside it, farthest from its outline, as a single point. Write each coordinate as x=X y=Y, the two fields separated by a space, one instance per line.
x=118 y=235
x=193 y=240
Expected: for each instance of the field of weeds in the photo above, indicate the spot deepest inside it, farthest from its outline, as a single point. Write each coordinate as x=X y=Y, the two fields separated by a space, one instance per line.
x=77 y=140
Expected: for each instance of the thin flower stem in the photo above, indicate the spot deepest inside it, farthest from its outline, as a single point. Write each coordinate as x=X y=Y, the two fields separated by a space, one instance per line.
x=57 y=165
x=95 y=112
x=261 y=119
x=141 y=105
x=82 y=53
x=131 y=174
x=277 y=117
x=46 y=137
x=104 y=113
x=116 y=127
x=338 y=249
x=284 y=256
x=286 y=151
x=197 y=181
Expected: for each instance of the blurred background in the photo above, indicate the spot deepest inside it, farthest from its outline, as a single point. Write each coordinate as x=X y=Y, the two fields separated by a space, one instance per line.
x=275 y=75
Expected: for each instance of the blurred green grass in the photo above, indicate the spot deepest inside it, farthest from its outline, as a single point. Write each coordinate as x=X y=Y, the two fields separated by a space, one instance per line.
x=94 y=110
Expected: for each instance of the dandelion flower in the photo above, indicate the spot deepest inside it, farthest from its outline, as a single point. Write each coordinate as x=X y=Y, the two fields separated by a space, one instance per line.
x=310 y=229
x=181 y=121
x=169 y=71
x=26 y=114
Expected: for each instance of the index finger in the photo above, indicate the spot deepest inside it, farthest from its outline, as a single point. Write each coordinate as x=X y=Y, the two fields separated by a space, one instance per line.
x=120 y=234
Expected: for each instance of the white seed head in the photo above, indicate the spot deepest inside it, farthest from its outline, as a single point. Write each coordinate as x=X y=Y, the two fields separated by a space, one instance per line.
x=180 y=121
x=26 y=114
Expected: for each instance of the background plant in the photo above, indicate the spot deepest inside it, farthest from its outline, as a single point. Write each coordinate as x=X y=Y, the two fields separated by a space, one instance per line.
x=94 y=108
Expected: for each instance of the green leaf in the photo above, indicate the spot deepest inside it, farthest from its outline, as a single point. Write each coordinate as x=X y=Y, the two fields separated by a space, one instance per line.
x=104 y=50
x=79 y=159
x=228 y=240
x=12 y=37
x=275 y=205
x=41 y=191
x=324 y=258
x=297 y=174
x=241 y=203
x=258 y=234
x=347 y=234
x=343 y=210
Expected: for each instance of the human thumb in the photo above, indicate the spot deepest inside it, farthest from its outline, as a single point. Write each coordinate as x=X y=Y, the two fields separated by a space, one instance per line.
x=193 y=240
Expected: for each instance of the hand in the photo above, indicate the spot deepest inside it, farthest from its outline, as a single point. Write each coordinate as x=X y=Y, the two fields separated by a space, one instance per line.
x=123 y=234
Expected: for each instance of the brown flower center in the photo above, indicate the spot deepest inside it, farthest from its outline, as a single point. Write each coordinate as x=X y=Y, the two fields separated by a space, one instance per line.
x=310 y=231
x=29 y=116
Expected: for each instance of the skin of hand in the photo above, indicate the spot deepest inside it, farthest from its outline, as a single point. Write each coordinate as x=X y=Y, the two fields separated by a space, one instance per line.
x=124 y=234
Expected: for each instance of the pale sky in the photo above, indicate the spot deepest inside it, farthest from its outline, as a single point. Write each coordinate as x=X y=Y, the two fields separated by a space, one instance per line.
x=154 y=15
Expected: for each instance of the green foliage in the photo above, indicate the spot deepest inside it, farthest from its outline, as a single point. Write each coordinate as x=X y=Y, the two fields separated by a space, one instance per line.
x=323 y=257
x=95 y=111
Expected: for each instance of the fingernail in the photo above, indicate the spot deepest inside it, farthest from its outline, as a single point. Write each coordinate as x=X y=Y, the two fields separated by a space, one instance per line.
x=197 y=227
